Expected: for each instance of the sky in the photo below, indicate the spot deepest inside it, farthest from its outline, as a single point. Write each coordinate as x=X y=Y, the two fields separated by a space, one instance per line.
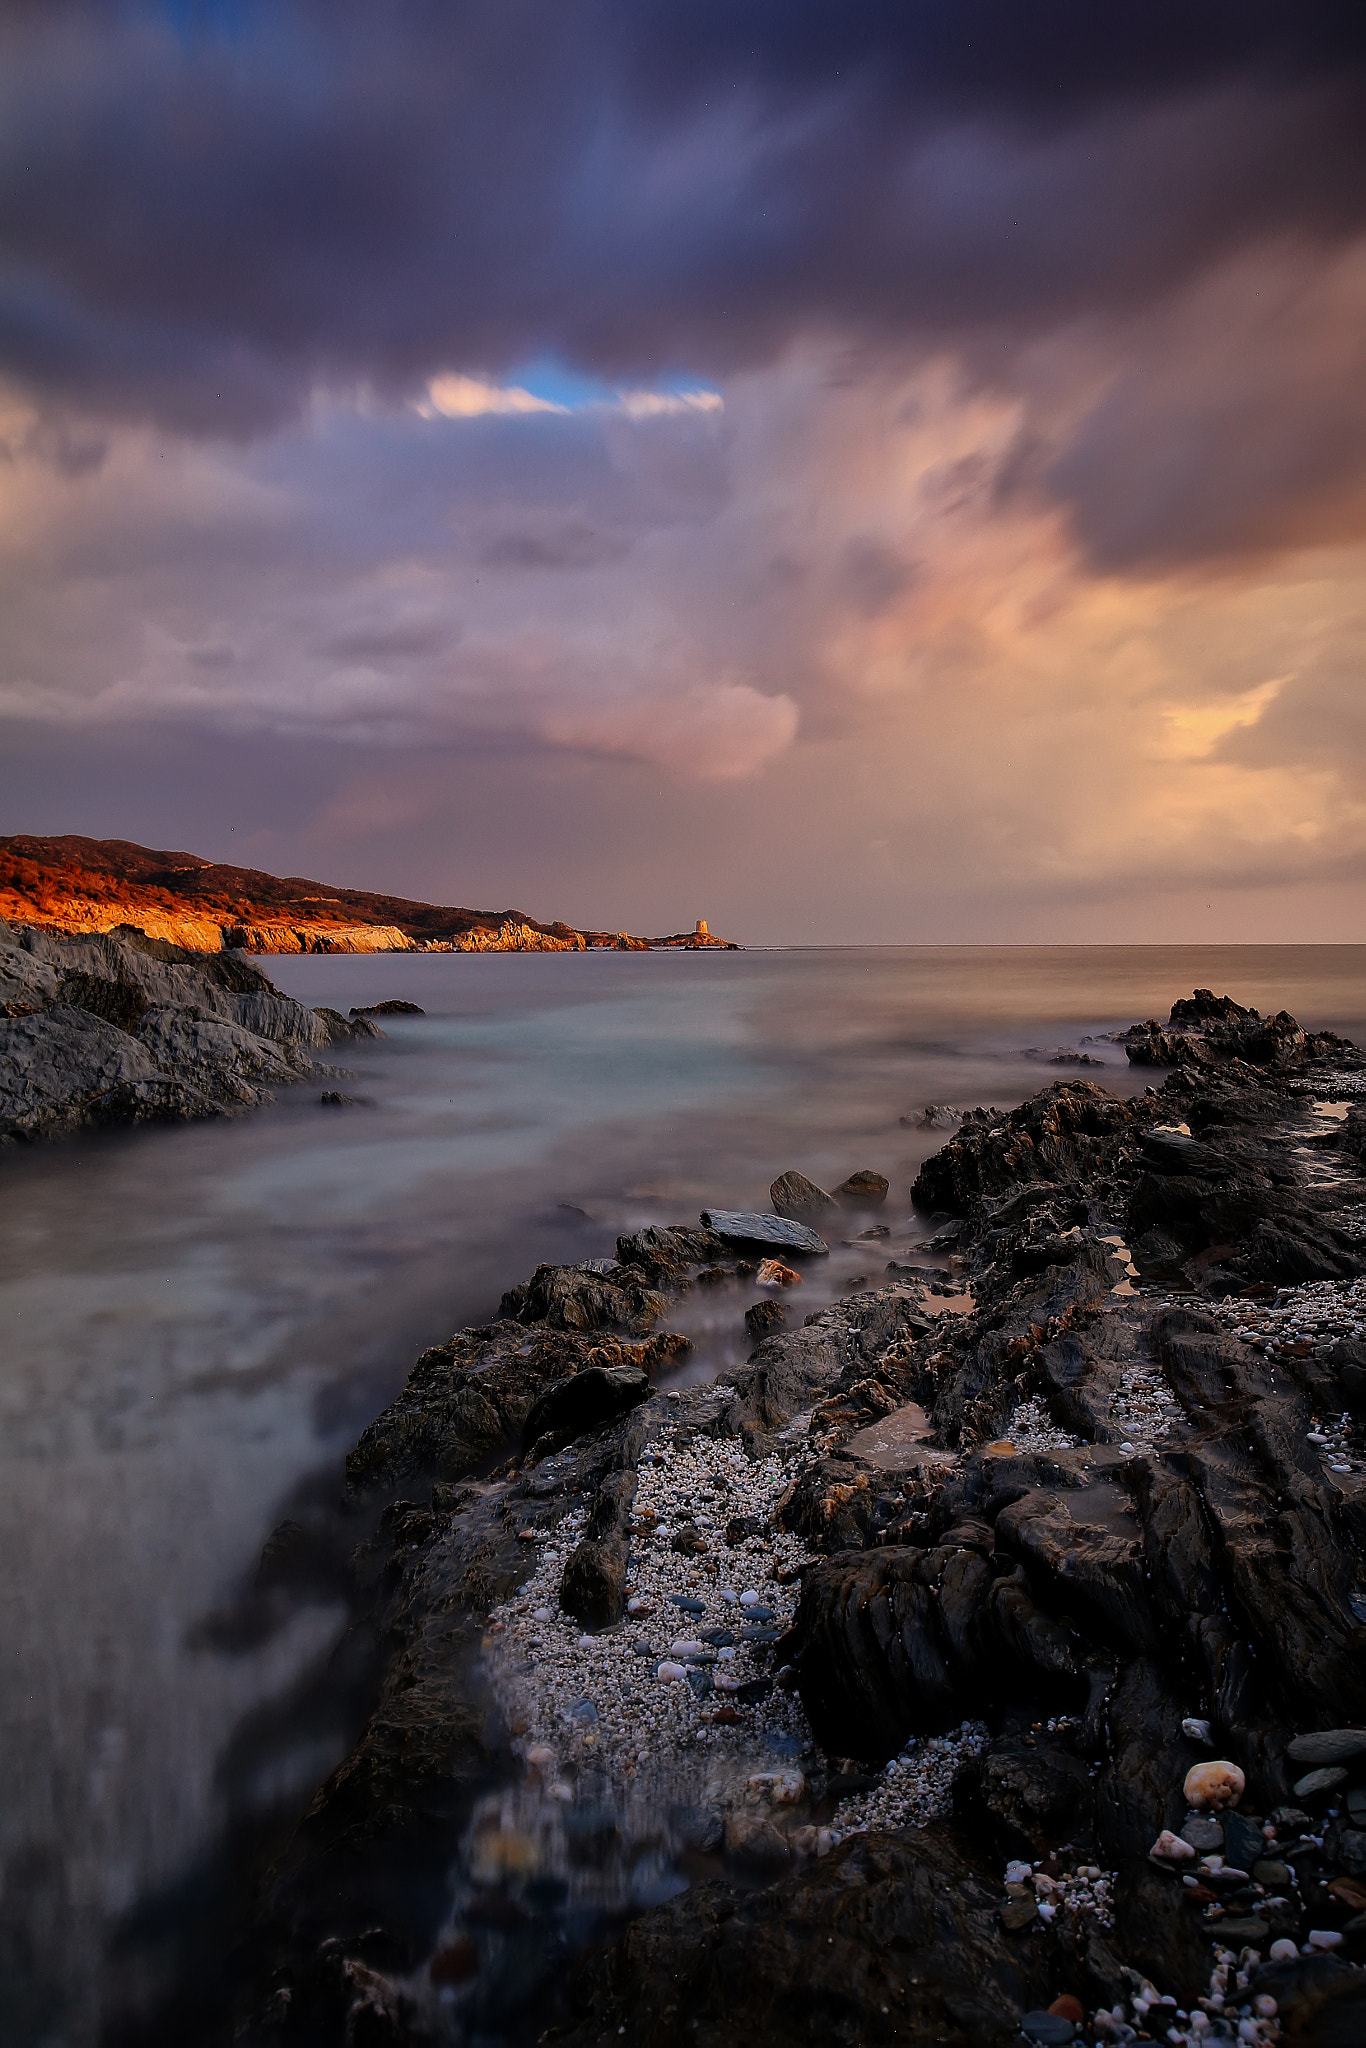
x=869 y=472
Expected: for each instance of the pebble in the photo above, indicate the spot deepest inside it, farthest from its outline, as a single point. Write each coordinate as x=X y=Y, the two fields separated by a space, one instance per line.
x=1197 y=1730
x=1325 y=1780
x=1209 y=1787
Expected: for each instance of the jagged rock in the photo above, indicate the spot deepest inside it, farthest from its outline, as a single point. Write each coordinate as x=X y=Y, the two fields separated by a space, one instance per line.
x=662 y=1254
x=798 y=1198
x=465 y=1399
x=581 y=1298
x=1055 y=1136
x=104 y=1030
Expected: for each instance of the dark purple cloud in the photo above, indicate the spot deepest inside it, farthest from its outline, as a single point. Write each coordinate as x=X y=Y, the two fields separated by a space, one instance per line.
x=206 y=209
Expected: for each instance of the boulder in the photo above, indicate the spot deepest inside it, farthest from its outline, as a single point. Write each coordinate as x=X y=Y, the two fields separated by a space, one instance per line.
x=862 y=1190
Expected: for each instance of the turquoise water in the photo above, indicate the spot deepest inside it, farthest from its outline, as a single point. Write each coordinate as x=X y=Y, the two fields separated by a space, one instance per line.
x=198 y=1322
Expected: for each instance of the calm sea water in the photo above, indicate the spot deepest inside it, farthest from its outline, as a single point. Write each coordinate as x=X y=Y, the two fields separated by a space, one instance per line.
x=198 y=1321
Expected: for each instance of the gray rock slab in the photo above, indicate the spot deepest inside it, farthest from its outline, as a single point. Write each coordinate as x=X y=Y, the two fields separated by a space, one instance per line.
x=1328 y=1746
x=763 y=1232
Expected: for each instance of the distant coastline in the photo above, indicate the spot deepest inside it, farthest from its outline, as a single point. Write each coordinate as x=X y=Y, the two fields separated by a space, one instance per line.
x=75 y=886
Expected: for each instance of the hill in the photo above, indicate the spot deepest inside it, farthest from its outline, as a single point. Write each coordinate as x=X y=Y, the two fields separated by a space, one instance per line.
x=77 y=885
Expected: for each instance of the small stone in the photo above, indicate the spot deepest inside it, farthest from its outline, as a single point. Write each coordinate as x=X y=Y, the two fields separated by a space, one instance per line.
x=1213 y=1786
x=1349 y=1891
x=638 y=1608
x=1018 y=1873
x=749 y=1598
x=1243 y=1842
x=1271 y=1874
x=1233 y=1930
x=1317 y=1783
x=1291 y=1820
x=1017 y=1914
x=670 y=1673
x=1328 y=1746
x=1284 y=1951
x=773 y=1273
x=1197 y=1730
x=1324 y=1938
x=688 y=1604
x=1203 y=1832
x=1068 y=2008
x=1169 y=1848
x=584 y=1712
x=1048 y=2029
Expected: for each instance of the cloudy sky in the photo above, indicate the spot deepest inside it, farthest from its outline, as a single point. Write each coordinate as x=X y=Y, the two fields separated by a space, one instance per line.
x=880 y=471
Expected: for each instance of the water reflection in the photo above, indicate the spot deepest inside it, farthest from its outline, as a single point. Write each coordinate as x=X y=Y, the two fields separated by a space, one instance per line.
x=198 y=1321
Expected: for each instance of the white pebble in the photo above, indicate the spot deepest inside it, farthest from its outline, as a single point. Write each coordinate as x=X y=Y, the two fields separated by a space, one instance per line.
x=1324 y=1937
x=669 y=1674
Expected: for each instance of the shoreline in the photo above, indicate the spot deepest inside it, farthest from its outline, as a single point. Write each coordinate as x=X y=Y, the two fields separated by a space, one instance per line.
x=1042 y=1783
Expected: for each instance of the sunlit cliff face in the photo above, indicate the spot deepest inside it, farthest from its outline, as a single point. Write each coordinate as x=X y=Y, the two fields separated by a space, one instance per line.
x=859 y=509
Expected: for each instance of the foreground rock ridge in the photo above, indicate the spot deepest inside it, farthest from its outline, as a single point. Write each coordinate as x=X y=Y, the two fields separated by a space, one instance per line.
x=106 y=1031
x=74 y=885
x=987 y=1654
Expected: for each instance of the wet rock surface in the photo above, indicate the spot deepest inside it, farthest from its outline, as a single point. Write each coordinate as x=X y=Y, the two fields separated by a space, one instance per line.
x=1053 y=1723
x=114 y=1030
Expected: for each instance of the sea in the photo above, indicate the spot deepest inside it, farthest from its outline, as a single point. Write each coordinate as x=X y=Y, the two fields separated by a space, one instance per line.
x=198 y=1320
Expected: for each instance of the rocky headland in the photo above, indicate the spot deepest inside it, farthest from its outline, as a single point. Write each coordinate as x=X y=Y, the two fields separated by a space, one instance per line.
x=106 y=1030
x=983 y=1662
x=71 y=885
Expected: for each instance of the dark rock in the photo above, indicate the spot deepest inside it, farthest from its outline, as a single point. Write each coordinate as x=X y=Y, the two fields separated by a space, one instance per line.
x=863 y=1190
x=798 y=1198
x=582 y=1298
x=1048 y=2029
x=593 y=1586
x=597 y=1395
x=887 y=1939
x=763 y=1233
x=467 y=1398
x=663 y=1254
x=1242 y=1839
x=118 y=1000
x=1320 y=1999
x=688 y=1541
x=1056 y=1136
x=765 y=1316
x=1026 y=1801
x=393 y=1007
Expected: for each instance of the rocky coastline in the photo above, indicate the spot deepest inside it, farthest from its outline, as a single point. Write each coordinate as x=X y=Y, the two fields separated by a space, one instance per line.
x=72 y=886
x=108 y=1030
x=983 y=1662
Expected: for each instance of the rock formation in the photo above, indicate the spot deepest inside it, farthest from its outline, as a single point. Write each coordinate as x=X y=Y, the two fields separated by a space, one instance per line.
x=114 y=1030
x=1128 y=1546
